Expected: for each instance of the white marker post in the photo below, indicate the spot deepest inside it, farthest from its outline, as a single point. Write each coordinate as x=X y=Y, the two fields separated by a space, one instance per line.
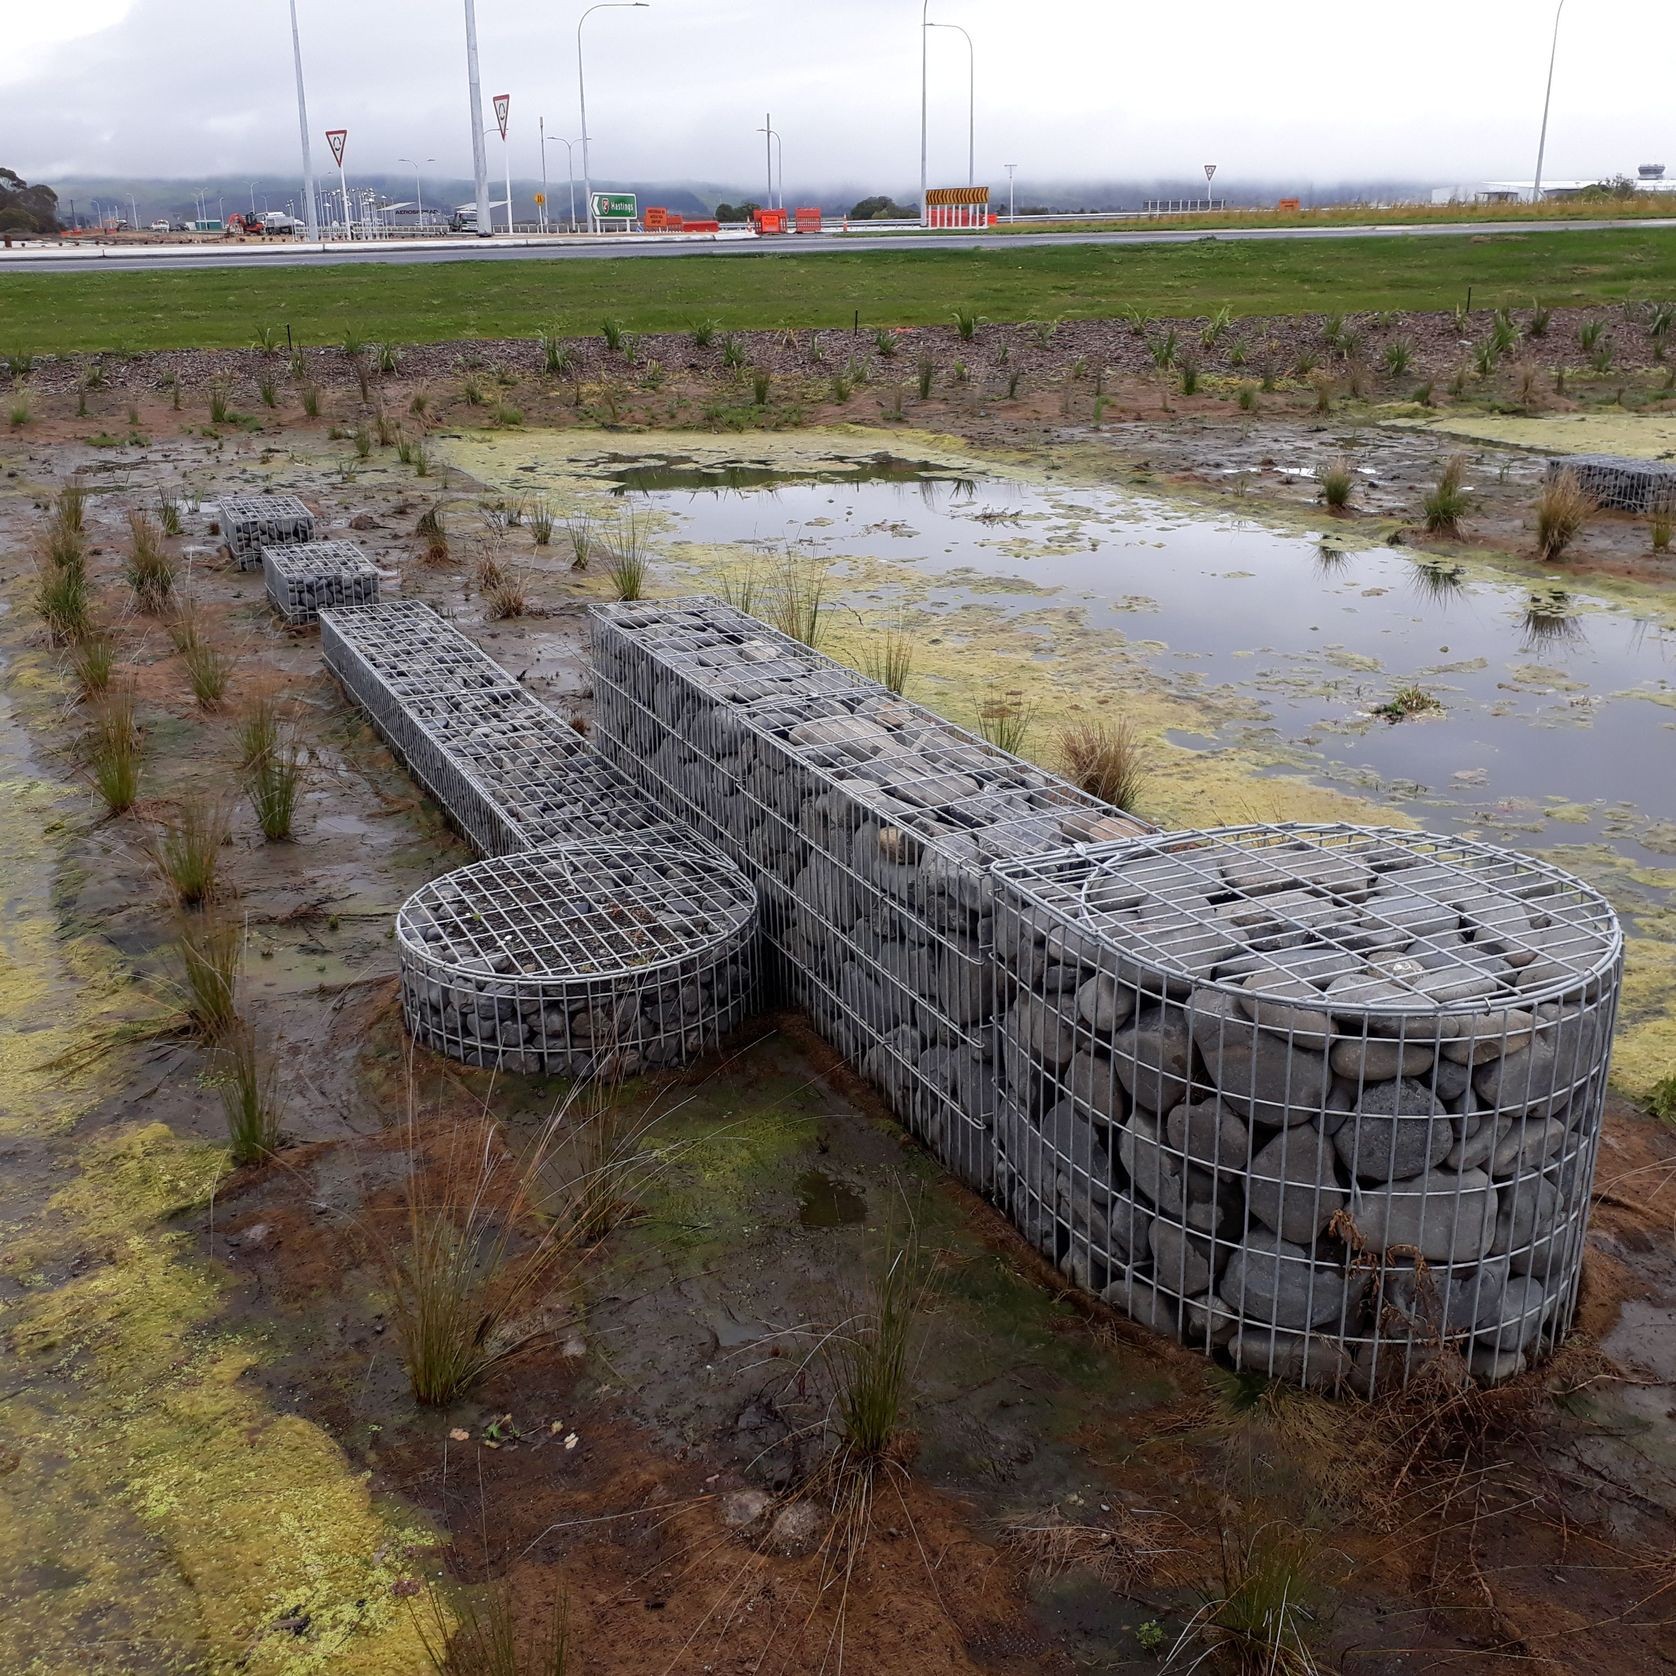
x=503 y=105
x=337 y=138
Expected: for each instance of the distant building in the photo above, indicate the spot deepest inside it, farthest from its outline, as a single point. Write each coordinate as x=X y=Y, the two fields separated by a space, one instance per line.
x=1650 y=177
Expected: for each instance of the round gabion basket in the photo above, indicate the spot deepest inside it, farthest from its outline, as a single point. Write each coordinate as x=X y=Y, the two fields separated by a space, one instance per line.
x=581 y=960
x=1321 y=1100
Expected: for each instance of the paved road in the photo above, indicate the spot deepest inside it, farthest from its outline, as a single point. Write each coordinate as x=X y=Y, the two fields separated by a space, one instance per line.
x=114 y=259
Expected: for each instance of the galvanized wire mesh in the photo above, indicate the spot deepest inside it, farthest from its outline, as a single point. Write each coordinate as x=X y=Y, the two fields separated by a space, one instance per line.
x=301 y=580
x=251 y=522
x=1323 y=1099
x=1617 y=484
x=580 y=960
x=869 y=825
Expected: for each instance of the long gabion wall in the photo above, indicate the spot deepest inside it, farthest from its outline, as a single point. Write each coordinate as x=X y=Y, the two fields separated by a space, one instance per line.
x=581 y=960
x=510 y=773
x=869 y=826
x=1325 y=1099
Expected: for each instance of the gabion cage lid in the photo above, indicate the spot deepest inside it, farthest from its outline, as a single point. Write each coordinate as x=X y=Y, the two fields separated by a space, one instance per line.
x=262 y=506
x=1383 y=921
x=579 y=911
x=306 y=560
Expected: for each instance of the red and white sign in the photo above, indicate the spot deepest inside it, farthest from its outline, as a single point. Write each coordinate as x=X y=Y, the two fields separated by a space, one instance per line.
x=336 y=139
x=503 y=103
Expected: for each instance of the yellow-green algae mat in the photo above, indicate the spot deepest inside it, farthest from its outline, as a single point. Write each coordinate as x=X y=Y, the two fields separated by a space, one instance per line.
x=1069 y=669
x=157 y=1514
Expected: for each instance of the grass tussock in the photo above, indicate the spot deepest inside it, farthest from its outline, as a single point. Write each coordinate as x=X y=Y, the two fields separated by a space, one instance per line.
x=1121 y=1550
x=271 y=753
x=507 y=595
x=740 y=588
x=433 y=532
x=150 y=570
x=1446 y=501
x=92 y=661
x=63 y=601
x=1005 y=719
x=247 y=1078
x=1405 y=702
x=1106 y=759
x=629 y=560
x=888 y=657
x=209 y=945
x=186 y=848
x=474 y=1632
x=796 y=600
x=1338 y=483
x=113 y=751
x=209 y=666
x=1562 y=509
x=542 y=522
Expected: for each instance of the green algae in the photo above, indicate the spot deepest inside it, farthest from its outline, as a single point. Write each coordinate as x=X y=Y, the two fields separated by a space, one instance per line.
x=1641 y=436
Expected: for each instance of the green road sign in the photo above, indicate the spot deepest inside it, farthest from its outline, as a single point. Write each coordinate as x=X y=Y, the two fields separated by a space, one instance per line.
x=616 y=206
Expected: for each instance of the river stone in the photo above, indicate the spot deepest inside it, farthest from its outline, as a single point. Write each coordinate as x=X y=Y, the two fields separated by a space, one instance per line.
x=1530 y=1226
x=1475 y=1142
x=1130 y=1224
x=1318 y=1363
x=1043 y=1033
x=1152 y=1056
x=1261 y=1076
x=1103 y=1004
x=1286 y=1004
x=1424 y=1212
x=1399 y=1130
x=1270 y=1279
x=1440 y=1302
x=1528 y=1145
x=1181 y=1262
x=1379 y=1059
x=1293 y=1187
x=1157 y=1176
x=1532 y=1081
x=1483 y=1036
x=1523 y=1309
x=855 y=735
x=1209 y=1132
x=1092 y=1079
x=1286 y=866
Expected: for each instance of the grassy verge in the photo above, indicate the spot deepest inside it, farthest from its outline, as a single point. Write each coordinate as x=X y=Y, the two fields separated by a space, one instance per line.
x=429 y=303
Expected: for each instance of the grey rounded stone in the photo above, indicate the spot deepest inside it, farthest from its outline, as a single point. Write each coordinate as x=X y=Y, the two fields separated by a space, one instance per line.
x=1156 y=1174
x=1524 y=1309
x=1378 y=1059
x=1293 y=1188
x=1448 y=1217
x=1152 y=1055
x=1043 y=1032
x=1318 y=1362
x=1271 y=1279
x=1259 y=1074
x=1287 y=1005
x=1181 y=1261
x=1211 y=1133
x=1092 y=1079
x=1399 y=1130
x=1103 y=1004
x=1483 y=1036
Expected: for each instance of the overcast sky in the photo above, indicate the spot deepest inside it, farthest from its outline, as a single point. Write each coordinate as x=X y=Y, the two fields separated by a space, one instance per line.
x=1282 y=91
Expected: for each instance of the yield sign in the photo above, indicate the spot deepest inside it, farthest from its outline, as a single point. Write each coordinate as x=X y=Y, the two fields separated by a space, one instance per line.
x=1210 y=172
x=336 y=139
x=503 y=104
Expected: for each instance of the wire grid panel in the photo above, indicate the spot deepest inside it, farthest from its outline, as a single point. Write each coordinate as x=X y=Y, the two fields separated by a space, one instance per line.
x=251 y=522
x=1324 y=1100
x=869 y=825
x=581 y=959
x=510 y=773
x=302 y=579
x=1619 y=485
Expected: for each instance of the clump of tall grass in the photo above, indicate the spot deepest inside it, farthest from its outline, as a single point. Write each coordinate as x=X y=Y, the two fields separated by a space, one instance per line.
x=629 y=558
x=1562 y=509
x=220 y=410
x=309 y=392
x=1326 y=387
x=1164 y=349
x=507 y=595
x=1537 y=325
x=885 y=342
x=267 y=387
x=1399 y=357
x=208 y=666
x=113 y=751
x=762 y=382
x=583 y=540
x=434 y=533
x=247 y=1078
x=614 y=333
x=541 y=522
x=1005 y=719
x=1590 y=333
x=1338 y=480
x=209 y=945
x=926 y=375
x=796 y=599
x=474 y=1632
x=704 y=332
x=739 y=589
x=1446 y=501
x=1189 y=367
x=150 y=570
x=70 y=506
x=272 y=761
x=92 y=659
x=1663 y=523
x=168 y=512
x=888 y=657
x=186 y=848
x=20 y=412
x=362 y=438
x=1106 y=759
x=63 y=598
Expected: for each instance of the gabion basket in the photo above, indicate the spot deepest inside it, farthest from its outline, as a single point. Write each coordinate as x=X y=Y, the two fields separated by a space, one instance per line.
x=1321 y=1100
x=869 y=825
x=1616 y=484
x=580 y=960
x=301 y=580
x=511 y=775
x=251 y=522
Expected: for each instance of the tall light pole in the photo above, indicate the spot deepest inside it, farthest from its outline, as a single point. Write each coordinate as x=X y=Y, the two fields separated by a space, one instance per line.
x=971 y=101
x=1011 y=169
x=1547 y=100
x=924 y=92
x=418 y=189
x=771 y=144
x=479 y=153
x=569 y=163
x=310 y=214
x=582 y=92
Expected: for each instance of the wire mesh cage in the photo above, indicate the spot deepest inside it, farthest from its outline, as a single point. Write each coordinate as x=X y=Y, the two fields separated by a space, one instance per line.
x=251 y=522
x=1617 y=484
x=301 y=580
x=581 y=959
x=1323 y=1100
x=869 y=825
x=510 y=774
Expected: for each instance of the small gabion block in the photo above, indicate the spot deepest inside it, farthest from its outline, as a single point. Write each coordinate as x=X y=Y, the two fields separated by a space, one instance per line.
x=603 y=959
x=315 y=574
x=1618 y=484
x=251 y=522
x=1321 y=1100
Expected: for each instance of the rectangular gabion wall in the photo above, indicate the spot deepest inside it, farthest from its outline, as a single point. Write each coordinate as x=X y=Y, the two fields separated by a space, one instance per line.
x=869 y=826
x=1325 y=1100
x=511 y=774
x=251 y=522
x=303 y=580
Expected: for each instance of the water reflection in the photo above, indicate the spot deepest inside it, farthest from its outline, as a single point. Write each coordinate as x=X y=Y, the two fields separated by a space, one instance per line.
x=1437 y=581
x=1550 y=620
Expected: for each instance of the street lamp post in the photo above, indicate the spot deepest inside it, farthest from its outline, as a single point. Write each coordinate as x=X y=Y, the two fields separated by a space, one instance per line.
x=418 y=189
x=971 y=100
x=479 y=153
x=310 y=214
x=582 y=93
x=1547 y=100
x=924 y=91
x=1011 y=170
x=773 y=146
x=570 y=168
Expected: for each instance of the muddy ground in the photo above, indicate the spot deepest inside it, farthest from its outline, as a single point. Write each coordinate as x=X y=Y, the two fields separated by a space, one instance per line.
x=211 y=1459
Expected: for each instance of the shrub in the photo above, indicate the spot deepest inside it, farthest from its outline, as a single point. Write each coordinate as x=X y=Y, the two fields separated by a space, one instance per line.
x=1105 y=759
x=1338 y=480
x=1562 y=508
x=113 y=751
x=248 y=1081
x=1447 y=501
x=186 y=849
x=210 y=947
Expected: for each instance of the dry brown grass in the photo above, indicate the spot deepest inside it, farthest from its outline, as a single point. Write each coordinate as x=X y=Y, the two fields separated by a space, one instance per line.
x=1562 y=509
x=1106 y=759
x=1123 y=1550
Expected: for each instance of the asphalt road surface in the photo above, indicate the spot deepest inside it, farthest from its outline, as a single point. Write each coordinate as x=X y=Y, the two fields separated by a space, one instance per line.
x=111 y=259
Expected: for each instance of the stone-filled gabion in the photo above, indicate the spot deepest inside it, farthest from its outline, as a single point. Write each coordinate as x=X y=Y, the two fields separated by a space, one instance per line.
x=580 y=960
x=251 y=522
x=302 y=579
x=510 y=774
x=868 y=825
x=1617 y=484
x=1323 y=1100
